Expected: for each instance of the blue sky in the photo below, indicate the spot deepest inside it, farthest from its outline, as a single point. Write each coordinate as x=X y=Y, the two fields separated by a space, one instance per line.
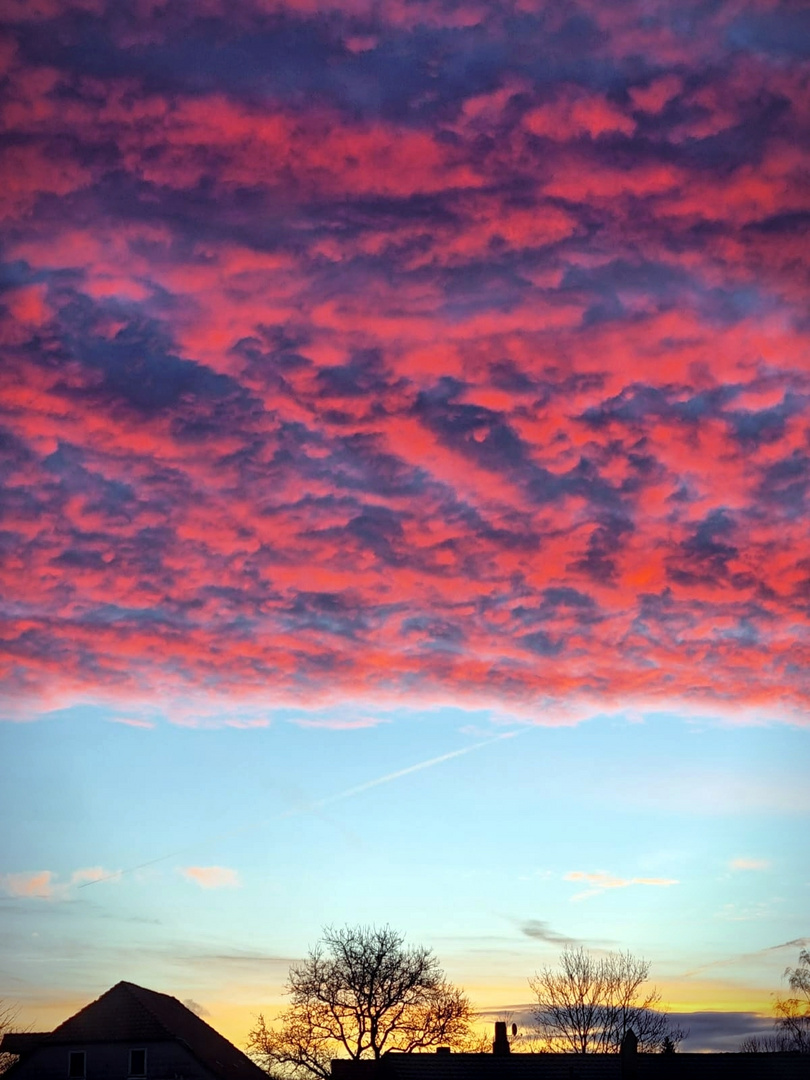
x=679 y=839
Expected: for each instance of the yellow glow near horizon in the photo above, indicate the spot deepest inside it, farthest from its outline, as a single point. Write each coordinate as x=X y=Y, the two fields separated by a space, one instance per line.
x=682 y=996
x=720 y=995
x=234 y=1017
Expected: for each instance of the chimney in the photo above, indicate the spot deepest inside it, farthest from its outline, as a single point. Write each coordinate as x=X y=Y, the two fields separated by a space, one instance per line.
x=442 y=1049
x=501 y=1044
x=629 y=1043
x=629 y=1056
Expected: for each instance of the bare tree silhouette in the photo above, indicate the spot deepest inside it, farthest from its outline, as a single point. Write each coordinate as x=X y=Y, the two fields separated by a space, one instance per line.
x=792 y=1021
x=590 y=1002
x=793 y=1012
x=359 y=992
x=8 y=1016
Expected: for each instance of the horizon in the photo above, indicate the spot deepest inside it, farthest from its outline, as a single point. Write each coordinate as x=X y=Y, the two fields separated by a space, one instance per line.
x=405 y=457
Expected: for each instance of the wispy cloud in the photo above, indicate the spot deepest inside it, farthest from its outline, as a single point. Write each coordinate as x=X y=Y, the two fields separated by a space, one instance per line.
x=745 y=912
x=132 y=721
x=46 y=885
x=795 y=943
x=600 y=881
x=541 y=931
x=196 y=1007
x=211 y=877
x=338 y=723
x=93 y=873
x=730 y=961
x=746 y=862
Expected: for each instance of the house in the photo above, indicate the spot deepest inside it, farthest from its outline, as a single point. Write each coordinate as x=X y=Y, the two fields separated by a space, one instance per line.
x=501 y=1064
x=129 y=1033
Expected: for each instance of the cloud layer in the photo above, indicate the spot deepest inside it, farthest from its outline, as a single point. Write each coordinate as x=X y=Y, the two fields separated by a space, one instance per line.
x=417 y=349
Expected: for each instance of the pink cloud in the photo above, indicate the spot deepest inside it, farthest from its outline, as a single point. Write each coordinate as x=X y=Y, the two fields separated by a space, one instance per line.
x=653 y=97
x=575 y=114
x=45 y=885
x=93 y=873
x=211 y=877
x=38 y=884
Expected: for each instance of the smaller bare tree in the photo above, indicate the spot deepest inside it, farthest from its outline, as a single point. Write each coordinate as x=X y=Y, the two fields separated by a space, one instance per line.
x=569 y=1001
x=793 y=1012
x=8 y=1016
x=765 y=1044
x=791 y=1032
x=590 y=1002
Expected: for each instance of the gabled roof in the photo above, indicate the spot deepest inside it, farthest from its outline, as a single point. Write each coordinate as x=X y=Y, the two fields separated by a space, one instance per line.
x=133 y=1014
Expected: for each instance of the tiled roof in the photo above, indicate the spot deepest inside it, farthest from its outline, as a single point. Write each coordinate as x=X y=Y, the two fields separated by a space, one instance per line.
x=486 y=1067
x=576 y=1067
x=133 y=1014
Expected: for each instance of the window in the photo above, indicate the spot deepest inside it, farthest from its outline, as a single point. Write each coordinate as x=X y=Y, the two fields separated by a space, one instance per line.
x=137 y=1063
x=76 y=1063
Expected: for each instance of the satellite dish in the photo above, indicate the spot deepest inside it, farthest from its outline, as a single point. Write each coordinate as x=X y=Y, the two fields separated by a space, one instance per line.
x=514 y=1030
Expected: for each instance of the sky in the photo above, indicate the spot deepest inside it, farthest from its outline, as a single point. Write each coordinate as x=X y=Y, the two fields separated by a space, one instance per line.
x=405 y=494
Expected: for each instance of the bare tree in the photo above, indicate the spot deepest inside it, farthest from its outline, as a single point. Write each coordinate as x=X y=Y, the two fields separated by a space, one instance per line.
x=590 y=1002
x=360 y=992
x=568 y=1001
x=8 y=1016
x=792 y=1021
x=765 y=1044
x=793 y=1012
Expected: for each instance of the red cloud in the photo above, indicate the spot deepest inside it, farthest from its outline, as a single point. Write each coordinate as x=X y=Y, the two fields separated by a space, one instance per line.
x=574 y=114
x=494 y=387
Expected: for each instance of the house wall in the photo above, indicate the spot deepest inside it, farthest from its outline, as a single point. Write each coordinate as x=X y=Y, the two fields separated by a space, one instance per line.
x=110 y=1061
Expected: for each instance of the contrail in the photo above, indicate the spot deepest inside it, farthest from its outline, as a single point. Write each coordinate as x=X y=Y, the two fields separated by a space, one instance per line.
x=347 y=794
x=796 y=943
x=319 y=804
